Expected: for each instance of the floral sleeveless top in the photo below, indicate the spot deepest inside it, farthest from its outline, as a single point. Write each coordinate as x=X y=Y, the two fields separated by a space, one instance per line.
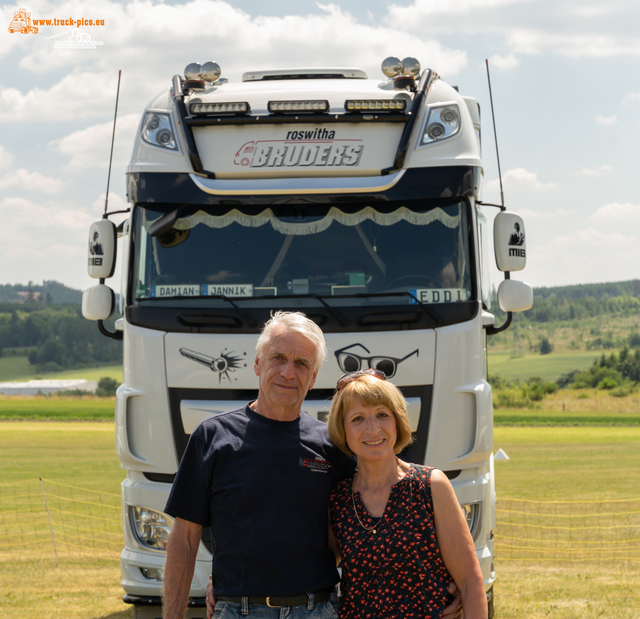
x=396 y=572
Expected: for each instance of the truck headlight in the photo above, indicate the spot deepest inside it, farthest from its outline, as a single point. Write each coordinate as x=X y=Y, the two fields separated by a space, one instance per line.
x=157 y=130
x=472 y=514
x=442 y=122
x=150 y=527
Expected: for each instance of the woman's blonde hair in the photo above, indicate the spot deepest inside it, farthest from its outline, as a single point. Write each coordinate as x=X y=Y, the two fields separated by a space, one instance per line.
x=369 y=391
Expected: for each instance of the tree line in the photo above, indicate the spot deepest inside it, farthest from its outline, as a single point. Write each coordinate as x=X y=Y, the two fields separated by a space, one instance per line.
x=55 y=337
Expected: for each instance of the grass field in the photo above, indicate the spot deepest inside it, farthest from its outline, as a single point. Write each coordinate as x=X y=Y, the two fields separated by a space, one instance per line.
x=19 y=369
x=546 y=463
x=549 y=367
x=58 y=408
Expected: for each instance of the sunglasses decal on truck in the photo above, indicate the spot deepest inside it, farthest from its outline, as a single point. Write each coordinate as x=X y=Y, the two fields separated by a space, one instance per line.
x=350 y=361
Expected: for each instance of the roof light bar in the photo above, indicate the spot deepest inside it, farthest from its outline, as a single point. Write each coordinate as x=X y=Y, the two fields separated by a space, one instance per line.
x=375 y=105
x=220 y=108
x=296 y=107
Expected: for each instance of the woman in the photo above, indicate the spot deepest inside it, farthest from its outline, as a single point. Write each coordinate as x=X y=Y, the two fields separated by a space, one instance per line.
x=398 y=526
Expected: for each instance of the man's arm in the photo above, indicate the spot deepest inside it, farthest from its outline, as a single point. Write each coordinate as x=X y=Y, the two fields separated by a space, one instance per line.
x=182 y=550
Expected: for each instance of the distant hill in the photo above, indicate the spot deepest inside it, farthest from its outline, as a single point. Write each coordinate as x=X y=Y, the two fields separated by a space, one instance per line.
x=45 y=293
x=603 y=291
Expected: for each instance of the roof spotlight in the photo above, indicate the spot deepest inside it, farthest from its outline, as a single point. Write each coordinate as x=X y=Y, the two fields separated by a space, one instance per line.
x=391 y=66
x=192 y=71
x=210 y=71
x=410 y=67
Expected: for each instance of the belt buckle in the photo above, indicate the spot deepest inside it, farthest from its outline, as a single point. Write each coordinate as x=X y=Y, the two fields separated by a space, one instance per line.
x=268 y=600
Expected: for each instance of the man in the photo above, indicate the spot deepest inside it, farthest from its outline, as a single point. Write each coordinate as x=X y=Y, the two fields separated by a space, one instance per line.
x=261 y=476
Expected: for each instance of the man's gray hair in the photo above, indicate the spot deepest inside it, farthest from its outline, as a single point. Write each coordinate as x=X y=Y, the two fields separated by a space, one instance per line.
x=299 y=323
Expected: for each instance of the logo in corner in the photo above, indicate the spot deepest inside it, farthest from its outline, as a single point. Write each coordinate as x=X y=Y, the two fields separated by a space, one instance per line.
x=22 y=23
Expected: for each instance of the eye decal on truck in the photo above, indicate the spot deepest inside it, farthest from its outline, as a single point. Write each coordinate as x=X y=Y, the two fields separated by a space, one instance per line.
x=223 y=365
x=350 y=361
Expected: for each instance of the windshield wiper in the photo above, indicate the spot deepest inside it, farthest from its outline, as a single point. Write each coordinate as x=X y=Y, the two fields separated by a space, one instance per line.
x=201 y=315
x=317 y=297
x=428 y=311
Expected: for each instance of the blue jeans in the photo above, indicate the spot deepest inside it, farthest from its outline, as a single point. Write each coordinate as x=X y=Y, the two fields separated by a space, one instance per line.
x=235 y=610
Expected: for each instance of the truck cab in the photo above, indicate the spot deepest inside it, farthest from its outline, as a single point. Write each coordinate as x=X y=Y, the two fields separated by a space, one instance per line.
x=355 y=200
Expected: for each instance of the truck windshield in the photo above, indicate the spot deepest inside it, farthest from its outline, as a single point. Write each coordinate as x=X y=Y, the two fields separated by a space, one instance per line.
x=345 y=254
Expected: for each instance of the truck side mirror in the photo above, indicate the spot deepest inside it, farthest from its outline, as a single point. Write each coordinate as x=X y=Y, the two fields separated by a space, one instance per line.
x=102 y=249
x=515 y=296
x=509 y=242
x=98 y=302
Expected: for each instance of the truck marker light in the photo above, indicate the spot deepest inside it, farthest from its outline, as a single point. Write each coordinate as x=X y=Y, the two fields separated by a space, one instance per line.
x=236 y=107
x=383 y=105
x=288 y=107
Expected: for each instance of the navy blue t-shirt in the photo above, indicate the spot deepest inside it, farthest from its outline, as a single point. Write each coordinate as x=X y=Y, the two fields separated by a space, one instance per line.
x=263 y=486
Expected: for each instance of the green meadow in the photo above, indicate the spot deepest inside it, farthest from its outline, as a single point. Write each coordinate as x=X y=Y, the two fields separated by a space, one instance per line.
x=58 y=408
x=549 y=367
x=546 y=463
x=19 y=369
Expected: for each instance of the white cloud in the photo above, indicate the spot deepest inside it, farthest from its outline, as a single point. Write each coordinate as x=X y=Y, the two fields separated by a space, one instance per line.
x=593 y=237
x=22 y=215
x=632 y=98
x=606 y=121
x=116 y=203
x=587 y=45
x=585 y=30
x=5 y=157
x=533 y=215
x=603 y=169
x=626 y=214
x=504 y=63
x=90 y=147
x=88 y=88
x=77 y=95
x=25 y=180
x=519 y=179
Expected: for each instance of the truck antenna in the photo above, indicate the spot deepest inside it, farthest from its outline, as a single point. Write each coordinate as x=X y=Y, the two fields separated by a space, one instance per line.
x=113 y=136
x=495 y=135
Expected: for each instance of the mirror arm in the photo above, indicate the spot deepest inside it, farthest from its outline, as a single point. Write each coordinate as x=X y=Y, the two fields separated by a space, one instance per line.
x=114 y=335
x=507 y=323
x=503 y=327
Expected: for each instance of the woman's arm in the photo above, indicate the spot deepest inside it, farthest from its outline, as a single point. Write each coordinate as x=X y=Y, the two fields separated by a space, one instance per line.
x=456 y=547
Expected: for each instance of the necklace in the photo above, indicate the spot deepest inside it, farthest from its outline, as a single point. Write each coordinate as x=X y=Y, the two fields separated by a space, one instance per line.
x=355 y=511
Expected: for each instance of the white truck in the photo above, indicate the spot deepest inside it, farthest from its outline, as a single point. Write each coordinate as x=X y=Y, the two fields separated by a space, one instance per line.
x=353 y=200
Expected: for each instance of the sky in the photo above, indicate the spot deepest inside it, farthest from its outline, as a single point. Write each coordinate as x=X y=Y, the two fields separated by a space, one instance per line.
x=566 y=88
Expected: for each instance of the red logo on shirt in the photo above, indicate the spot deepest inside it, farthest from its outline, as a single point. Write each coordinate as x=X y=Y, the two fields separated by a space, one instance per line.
x=316 y=465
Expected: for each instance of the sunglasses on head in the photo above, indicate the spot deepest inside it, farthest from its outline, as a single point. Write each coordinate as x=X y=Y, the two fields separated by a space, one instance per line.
x=345 y=379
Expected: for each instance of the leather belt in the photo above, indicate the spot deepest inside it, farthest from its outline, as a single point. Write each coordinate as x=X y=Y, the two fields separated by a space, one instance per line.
x=273 y=601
